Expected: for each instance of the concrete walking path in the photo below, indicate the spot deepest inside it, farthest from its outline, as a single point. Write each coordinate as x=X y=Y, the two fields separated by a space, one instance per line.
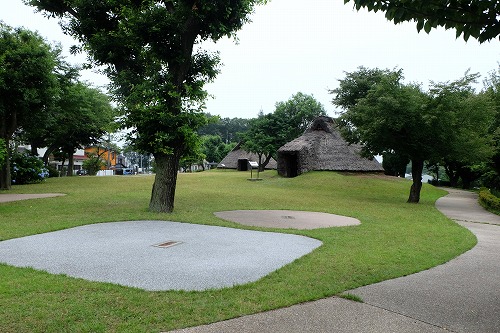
x=461 y=296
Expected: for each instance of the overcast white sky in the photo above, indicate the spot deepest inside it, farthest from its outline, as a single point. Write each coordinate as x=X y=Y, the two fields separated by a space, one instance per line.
x=297 y=45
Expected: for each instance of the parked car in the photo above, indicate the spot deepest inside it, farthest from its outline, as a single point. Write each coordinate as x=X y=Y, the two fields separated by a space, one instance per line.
x=128 y=171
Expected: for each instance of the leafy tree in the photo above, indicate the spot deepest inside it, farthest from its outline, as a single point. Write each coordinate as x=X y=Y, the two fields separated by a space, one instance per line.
x=83 y=115
x=27 y=83
x=450 y=123
x=229 y=129
x=214 y=149
x=492 y=175
x=391 y=117
x=469 y=117
x=93 y=164
x=261 y=138
x=479 y=19
x=195 y=156
x=149 y=50
x=3 y=152
x=267 y=133
x=394 y=164
x=296 y=113
x=37 y=129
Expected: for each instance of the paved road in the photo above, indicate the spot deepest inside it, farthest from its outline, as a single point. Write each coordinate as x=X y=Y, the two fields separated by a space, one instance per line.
x=460 y=296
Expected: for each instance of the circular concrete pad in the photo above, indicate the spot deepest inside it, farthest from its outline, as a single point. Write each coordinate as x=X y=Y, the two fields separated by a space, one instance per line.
x=287 y=219
x=130 y=254
x=8 y=197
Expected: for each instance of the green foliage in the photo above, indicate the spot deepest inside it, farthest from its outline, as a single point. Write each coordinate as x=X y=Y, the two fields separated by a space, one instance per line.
x=3 y=152
x=471 y=18
x=467 y=118
x=489 y=201
x=261 y=136
x=390 y=117
x=85 y=115
x=52 y=171
x=450 y=125
x=214 y=149
x=93 y=164
x=394 y=164
x=267 y=133
x=228 y=129
x=196 y=156
x=492 y=84
x=150 y=54
x=356 y=85
x=295 y=114
x=27 y=83
x=27 y=169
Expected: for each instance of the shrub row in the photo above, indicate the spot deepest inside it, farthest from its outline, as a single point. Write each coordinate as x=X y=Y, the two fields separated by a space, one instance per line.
x=489 y=201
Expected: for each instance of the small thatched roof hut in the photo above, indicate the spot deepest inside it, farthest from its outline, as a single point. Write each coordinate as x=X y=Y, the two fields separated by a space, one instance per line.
x=321 y=147
x=238 y=154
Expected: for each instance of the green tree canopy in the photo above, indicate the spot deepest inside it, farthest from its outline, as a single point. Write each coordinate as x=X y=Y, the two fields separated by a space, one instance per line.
x=214 y=148
x=449 y=123
x=492 y=85
x=391 y=118
x=3 y=152
x=267 y=133
x=28 y=83
x=468 y=119
x=229 y=129
x=158 y=74
x=479 y=19
x=83 y=116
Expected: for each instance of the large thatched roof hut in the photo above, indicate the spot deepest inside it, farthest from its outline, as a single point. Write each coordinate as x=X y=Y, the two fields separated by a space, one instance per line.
x=238 y=154
x=321 y=147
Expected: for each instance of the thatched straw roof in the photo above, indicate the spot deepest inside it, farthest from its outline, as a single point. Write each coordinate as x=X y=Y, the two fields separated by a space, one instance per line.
x=321 y=147
x=231 y=160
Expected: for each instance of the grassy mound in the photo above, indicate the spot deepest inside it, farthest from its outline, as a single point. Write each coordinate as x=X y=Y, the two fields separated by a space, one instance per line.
x=394 y=239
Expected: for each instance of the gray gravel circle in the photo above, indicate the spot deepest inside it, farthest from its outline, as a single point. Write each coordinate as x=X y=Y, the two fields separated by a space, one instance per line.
x=126 y=253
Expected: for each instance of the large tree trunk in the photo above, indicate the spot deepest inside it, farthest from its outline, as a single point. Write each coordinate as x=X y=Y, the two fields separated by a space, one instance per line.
x=71 y=164
x=163 y=193
x=7 y=127
x=417 y=168
x=262 y=166
x=452 y=171
x=5 y=177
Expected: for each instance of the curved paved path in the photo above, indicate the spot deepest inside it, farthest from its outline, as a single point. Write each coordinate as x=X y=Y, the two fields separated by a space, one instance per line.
x=460 y=296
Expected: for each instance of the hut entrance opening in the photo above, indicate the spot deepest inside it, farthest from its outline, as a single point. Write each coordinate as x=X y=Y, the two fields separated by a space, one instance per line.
x=243 y=164
x=291 y=166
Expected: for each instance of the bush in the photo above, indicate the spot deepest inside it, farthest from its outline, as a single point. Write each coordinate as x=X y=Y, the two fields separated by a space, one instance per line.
x=92 y=164
x=52 y=172
x=489 y=201
x=3 y=152
x=27 y=169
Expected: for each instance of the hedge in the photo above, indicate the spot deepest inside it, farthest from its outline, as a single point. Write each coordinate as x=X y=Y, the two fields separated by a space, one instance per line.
x=489 y=201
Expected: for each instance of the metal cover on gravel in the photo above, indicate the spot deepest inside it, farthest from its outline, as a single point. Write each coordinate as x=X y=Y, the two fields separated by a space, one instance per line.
x=121 y=253
x=287 y=219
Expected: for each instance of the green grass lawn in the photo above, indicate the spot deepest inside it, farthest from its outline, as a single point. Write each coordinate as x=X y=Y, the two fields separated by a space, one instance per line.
x=394 y=239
